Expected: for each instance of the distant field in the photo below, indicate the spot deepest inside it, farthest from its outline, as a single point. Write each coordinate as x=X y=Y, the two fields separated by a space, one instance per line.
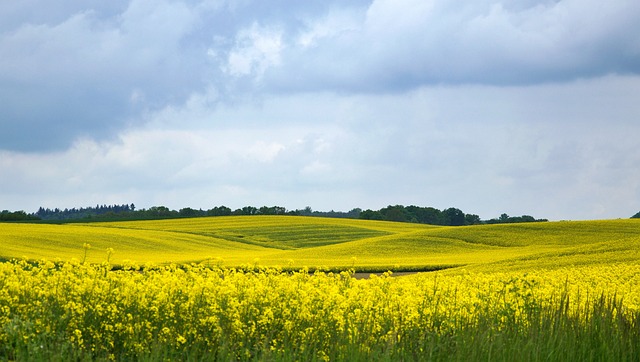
x=296 y=242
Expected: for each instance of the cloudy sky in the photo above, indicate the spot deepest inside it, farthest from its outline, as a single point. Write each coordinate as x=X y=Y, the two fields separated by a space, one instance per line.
x=518 y=107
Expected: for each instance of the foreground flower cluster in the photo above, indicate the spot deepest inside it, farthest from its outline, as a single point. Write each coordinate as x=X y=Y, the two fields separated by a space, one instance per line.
x=197 y=312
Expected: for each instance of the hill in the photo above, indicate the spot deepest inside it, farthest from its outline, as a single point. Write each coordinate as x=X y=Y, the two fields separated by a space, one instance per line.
x=296 y=241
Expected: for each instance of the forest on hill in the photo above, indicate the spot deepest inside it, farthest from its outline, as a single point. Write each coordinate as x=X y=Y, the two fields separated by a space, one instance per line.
x=415 y=214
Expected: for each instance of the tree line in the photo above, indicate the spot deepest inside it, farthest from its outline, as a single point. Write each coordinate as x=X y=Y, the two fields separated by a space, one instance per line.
x=7 y=215
x=129 y=211
x=399 y=213
x=429 y=215
x=83 y=212
x=415 y=214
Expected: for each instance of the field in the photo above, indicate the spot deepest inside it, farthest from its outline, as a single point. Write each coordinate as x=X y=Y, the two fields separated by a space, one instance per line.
x=243 y=288
x=297 y=242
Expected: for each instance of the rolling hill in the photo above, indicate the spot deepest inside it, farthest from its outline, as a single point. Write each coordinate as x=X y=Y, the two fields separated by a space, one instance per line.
x=295 y=242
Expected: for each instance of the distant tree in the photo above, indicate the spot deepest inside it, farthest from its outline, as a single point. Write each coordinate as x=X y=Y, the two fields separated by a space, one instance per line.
x=454 y=217
x=526 y=218
x=273 y=210
x=504 y=218
x=247 y=210
x=307 y=211
x=219 y=211
x=7 y=215
x=636 y=216
x=160 y=211
x=472 y=219
x=189 y=212
x=394 y=213
x=354 y=213
x=369 y=214
x=426 y=215
x=42 y=212
x=104 y=211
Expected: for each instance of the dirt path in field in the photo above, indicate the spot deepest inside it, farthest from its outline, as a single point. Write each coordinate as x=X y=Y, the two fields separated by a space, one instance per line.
x=368 y=275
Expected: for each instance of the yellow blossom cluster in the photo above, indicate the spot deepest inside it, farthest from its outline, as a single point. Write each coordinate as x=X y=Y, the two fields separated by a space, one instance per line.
x=210 y=313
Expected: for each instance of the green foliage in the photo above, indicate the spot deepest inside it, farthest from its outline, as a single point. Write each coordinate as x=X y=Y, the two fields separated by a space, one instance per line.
x=7 y=215
x=371 y=215
x=397 y=213
x=219 y=211
x=506 y=219
x=454 y=217
x=428 y=215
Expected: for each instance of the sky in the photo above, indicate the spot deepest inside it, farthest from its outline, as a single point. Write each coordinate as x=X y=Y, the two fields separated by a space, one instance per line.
x=522 y=107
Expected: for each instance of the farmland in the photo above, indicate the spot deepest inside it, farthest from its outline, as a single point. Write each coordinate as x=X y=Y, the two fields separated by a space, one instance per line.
x=297 y=242
x=243 y=288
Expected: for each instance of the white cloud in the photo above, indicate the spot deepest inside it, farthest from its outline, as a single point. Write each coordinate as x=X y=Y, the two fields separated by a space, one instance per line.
x=257 y=48
x=263 y=151
x=486 y=150
x=335 y=24
x=316 y=168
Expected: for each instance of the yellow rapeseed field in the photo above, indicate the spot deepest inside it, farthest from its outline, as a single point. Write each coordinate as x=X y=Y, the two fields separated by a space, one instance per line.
x=195 y=312
x=297 y=242
x=243 y=288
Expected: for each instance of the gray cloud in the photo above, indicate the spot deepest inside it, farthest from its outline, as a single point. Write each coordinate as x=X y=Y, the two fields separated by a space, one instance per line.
x=86 y=75
x=405 y=44
x=92 y=68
